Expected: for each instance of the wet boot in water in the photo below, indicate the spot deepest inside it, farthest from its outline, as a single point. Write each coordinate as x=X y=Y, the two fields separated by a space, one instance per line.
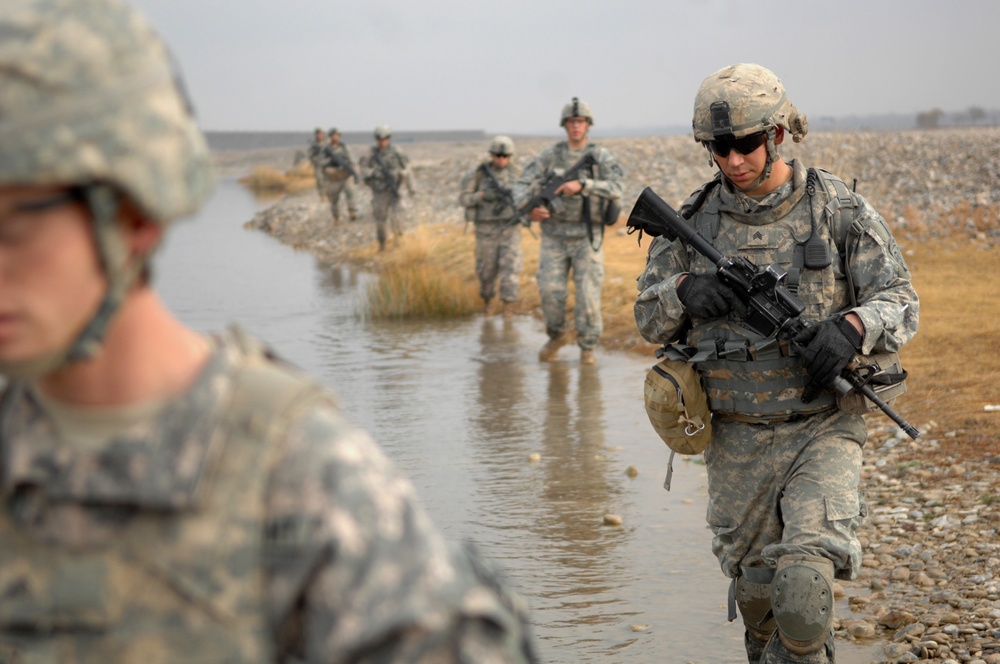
x=549 y=350
x=587 y=356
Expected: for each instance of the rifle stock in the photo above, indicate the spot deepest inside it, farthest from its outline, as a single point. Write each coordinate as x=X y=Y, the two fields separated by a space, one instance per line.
x=772 y=310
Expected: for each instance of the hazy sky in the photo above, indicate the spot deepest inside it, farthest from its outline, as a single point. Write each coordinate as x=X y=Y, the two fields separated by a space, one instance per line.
x=508 y=66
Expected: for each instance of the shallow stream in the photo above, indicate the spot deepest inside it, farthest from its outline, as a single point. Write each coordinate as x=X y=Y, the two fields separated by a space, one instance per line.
x=462 y=407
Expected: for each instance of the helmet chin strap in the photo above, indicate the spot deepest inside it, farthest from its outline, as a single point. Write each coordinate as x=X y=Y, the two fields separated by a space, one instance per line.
x=103 y=202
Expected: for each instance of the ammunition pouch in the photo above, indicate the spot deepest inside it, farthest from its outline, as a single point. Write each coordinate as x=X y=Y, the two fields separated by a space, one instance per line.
x=678 y=407
x=883 y=373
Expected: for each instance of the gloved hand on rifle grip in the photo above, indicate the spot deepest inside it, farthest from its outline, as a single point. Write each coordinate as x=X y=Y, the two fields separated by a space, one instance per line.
x=704 y=296
x=826 y=348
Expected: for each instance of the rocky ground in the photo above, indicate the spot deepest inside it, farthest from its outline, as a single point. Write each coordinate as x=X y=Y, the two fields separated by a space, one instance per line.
x=930 y=585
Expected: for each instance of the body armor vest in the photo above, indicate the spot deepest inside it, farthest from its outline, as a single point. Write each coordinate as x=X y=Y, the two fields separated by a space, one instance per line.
x=744 y=374
x=169 y=570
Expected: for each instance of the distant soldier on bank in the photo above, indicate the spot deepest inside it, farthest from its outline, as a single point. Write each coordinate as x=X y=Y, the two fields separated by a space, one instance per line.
x=340 y=175
x=168 y=495
x=385 y=170
x=489 y=204
x=315 y=153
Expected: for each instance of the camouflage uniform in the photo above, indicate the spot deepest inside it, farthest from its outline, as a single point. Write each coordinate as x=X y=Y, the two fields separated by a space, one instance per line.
x=385 y=171
x=339 y=180
x=315 y=154
x=782 y=479
x=498 y=249
x=566 y=245
x=216 y=507
x=247 y=521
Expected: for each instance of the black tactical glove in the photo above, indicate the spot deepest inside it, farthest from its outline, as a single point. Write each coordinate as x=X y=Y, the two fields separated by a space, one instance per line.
x=704 y=296
x=490 y=195
x=826 y=348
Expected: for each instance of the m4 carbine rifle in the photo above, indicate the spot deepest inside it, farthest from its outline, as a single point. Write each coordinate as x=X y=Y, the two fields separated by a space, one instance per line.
x=772 y=310
x=547 y=198
x=336 y=160
x=506 y=195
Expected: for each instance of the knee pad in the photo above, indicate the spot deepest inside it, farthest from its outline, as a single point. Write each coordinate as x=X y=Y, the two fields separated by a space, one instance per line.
x=754 y=602
x=802 y=602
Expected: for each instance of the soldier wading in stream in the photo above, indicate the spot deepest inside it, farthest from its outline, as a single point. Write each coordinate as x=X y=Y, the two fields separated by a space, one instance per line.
x=168 y=496
x=572 y=230
x=783 y=474
x=489 y=204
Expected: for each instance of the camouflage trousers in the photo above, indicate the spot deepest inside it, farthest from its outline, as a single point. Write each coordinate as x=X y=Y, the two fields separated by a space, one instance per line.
x=498 y=256
x=558 y=257
x=783 y=488
x=333 y=190
x=385 y=210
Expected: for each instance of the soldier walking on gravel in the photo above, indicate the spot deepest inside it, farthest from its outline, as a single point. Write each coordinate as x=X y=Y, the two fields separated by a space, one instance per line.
x=385 y=170
x=568 y=231
x=315 y=153
x=340 y=175
x=783 y=468
x=489 y=204
x=165 y=495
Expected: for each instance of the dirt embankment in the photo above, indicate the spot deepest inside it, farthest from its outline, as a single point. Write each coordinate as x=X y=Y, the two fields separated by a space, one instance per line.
x=930 y=586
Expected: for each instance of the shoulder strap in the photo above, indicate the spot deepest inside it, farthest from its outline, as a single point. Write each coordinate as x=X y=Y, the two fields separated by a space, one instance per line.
x=708 y=219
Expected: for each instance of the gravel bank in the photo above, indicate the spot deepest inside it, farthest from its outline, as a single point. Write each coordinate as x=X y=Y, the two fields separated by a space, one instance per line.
x=930 y=585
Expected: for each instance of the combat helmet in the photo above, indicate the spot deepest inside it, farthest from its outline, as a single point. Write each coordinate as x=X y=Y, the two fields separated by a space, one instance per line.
x=382 y=131
x=576 y=108
x=90 y=98
x=333 y=130
x=744 y=99
x=502 y=146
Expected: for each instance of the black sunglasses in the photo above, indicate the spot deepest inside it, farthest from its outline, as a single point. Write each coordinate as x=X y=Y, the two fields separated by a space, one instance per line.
x=744 y=145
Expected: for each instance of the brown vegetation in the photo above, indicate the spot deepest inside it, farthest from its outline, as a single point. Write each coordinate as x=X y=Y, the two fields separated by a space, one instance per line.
x=954 y=369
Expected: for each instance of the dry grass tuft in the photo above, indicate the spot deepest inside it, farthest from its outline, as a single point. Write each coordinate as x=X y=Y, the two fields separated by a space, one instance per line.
x=264 y=180
x=421 y=278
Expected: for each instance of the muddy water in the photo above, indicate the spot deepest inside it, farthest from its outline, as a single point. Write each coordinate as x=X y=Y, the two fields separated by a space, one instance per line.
x=463 y=407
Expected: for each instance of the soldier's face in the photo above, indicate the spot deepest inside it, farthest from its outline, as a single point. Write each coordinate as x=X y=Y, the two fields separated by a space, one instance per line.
x=51 y=280
x=382 y=143
x=742 y=169
x=334 y=139
x=501 y=161
x=576 y=128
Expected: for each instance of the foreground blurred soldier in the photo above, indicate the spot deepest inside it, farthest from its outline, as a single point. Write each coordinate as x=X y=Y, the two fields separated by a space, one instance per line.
x=489 y=204
x=569 y=231
x=385 y=170
x=166 y=496
x=783 y=474
x=340 y=175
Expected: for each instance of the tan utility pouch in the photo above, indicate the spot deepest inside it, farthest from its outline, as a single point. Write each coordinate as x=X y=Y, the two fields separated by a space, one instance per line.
x=678 y=407
x=887 y=379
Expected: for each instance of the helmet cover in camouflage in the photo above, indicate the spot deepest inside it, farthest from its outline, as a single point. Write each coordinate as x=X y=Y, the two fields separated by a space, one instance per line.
x=744 y=99
x=333 y=130
x=382 y=131
x=89 y=93
x=502 y=146
x=576 y=108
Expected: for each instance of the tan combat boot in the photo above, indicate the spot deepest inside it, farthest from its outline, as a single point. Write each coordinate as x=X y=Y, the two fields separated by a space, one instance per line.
x=587 y=356
x=486 y=307
x=550 y=349
x=508 y=309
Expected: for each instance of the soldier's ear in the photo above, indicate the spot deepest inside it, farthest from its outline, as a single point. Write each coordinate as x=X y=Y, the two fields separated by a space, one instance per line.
x=779 y=134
